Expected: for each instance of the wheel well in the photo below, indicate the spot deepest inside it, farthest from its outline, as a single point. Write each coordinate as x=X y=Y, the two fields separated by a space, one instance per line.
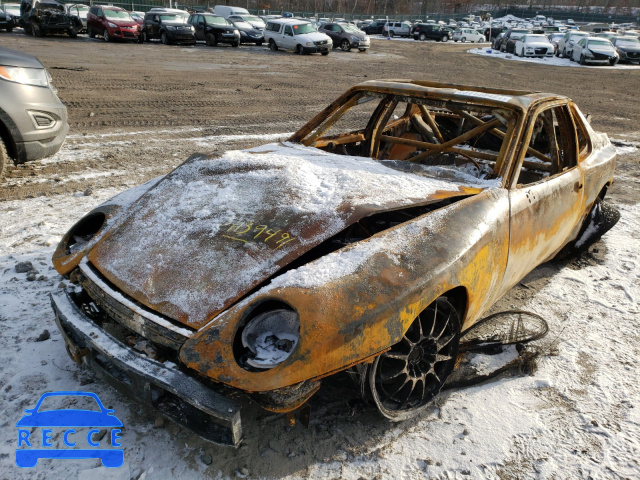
x=603 y=192
x=6 y=137
x=458 y=298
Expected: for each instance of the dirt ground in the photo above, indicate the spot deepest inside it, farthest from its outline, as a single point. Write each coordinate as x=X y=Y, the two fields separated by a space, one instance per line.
x=137 y=111
x=151 y=106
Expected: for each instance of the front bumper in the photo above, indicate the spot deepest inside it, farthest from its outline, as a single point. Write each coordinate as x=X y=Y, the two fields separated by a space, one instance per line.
x=181 y=36
x=125 y=34
x=231 y=38
x=318 y=48
x=162 y=386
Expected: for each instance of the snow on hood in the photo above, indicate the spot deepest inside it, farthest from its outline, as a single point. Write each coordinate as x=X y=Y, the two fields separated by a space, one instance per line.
x=216 y=227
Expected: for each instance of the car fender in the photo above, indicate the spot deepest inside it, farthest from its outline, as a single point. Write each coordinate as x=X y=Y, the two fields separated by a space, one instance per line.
x=445 y=249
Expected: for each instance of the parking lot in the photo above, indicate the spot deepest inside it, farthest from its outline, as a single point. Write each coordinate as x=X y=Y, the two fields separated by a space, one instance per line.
x=138 y=110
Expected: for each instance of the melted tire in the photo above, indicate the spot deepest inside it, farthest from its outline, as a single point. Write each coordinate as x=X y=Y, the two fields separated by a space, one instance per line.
x=404 y=380
x=602 y=218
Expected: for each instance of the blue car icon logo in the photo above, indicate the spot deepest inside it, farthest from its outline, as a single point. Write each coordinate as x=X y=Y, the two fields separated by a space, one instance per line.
x=68 y=420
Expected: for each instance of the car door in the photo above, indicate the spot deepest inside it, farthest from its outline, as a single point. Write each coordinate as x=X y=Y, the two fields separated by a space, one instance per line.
x=198 y=24
x=287 y=37
x=546 y=198
x=329 y=29
x=578 y=48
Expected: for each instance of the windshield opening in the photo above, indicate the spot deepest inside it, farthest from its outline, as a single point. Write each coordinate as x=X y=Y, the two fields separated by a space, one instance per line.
x=408 y=133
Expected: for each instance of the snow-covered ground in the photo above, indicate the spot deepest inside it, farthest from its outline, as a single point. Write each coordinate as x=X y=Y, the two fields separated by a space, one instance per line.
x=577 y=416
x=554 y=61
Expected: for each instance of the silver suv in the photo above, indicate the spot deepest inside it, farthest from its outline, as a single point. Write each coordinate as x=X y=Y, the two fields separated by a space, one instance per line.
x=33 y=120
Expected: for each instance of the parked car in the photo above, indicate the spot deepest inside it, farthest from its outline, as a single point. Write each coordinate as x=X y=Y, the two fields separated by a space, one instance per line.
x=374 y=28
x=508 y=43
x=599 y=51
x=374 y=257
x=33 y=121
x=496 y=43
x=565 y=44
x=113 y=23
x=43 y=17
x=215 y=30
x=255 y=21
x=346 y=36
x=533 y=45
x=227 y=10
x=6 y=21
x=248 y=33
x=628 y=49
x=424 y=31
x=138 y=17
x=468 y=35
x=12 y=9
x=554 y=38
x=168 y=26
x=400 y=29
x=607 y=35
x=296 y=35
x=78 y=10
x=492 y=32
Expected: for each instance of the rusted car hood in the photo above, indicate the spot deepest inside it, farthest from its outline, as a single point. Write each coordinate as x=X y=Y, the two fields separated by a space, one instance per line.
x=218 y=226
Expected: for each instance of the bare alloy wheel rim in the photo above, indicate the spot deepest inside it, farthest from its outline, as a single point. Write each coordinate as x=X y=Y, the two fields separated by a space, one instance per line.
x=345 y=45
x=406 y=378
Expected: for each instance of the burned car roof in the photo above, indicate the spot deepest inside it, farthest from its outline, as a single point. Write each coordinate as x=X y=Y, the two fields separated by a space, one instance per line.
x=374 y=237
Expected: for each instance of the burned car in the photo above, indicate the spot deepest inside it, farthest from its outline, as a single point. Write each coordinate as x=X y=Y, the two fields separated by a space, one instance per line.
x=369 y=242
x=42 y=17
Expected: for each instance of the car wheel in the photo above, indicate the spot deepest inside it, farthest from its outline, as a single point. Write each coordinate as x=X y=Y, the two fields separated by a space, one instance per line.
x=463 y=39
x=582 y=62
x=406 y=378
x=235 y=44
x=36 y=30
x=392 y=33
x=4 y=158
x=164 y=39
x=273 y=46
x=91 y=33
x=324 y=54
x=299 y=49
x=422 y=37
x=345 y=45
x=106 y=36
x=210 y=39
x=72 y=33
x=445 y=38
x=140 y=38
x=362 y=49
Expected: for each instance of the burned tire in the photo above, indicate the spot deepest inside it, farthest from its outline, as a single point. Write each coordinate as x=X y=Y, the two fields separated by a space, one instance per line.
x=273 y=46
x=72 y=33
x=602 y=218
x=403 y=380
x=345 y=45
x=4 y=158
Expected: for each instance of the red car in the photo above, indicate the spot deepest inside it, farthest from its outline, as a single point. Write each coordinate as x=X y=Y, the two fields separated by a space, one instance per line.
x=112 y=23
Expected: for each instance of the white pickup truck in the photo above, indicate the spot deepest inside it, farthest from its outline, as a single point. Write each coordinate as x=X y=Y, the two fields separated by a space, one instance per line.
x=297 y=35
